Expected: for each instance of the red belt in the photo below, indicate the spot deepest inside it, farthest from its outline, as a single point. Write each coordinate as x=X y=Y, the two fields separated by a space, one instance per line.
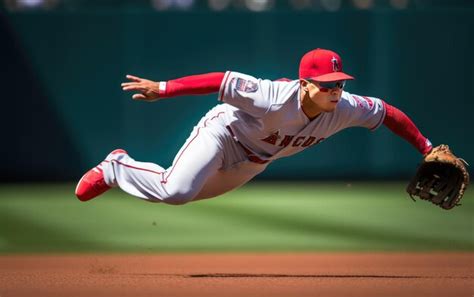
x=250 y=155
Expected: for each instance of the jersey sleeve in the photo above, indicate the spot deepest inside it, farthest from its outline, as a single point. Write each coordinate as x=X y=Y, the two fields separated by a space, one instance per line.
x=364 y=111
x=247 y=93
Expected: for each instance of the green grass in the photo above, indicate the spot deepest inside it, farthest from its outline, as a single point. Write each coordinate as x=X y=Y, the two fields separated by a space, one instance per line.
x=258 y=217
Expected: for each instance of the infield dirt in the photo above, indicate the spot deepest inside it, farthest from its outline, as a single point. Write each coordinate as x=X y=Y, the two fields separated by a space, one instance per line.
x=226 y=274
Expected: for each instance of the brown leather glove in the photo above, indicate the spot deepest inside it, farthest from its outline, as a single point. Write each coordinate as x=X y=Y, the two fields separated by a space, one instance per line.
x=442 y=178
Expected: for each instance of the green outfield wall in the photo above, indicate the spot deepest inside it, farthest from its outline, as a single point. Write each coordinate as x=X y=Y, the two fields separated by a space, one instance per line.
x=63 y=109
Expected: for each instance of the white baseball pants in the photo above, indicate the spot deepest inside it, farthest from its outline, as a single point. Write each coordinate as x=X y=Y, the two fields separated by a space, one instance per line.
x=209 y=164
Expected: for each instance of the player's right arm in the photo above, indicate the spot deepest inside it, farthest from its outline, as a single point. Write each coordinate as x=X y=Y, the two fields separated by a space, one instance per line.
x=148 y=90
x=200 y=84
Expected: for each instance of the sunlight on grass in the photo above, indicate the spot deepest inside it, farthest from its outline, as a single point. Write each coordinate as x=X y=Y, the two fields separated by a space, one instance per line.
x=258 y=217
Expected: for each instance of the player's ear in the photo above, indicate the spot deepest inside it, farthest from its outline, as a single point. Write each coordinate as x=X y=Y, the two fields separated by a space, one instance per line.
x=304 y=83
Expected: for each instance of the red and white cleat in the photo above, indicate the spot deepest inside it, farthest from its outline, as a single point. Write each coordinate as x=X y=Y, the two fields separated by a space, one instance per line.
x=92 y=183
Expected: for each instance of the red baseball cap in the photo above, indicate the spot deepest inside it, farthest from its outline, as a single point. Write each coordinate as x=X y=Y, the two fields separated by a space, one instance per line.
x=322 y=65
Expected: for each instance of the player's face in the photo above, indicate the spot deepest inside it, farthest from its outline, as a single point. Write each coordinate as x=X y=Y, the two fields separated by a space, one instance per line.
x=325 y=96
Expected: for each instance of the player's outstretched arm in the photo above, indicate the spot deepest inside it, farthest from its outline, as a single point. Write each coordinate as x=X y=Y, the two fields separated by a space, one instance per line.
x=148 y=90
x=400 y=124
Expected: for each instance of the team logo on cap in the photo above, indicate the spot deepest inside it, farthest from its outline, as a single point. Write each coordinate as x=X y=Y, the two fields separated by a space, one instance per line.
x=335 y=64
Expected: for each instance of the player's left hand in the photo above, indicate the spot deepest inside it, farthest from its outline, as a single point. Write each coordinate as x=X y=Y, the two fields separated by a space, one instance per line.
x=442 y=178
x=147 y=90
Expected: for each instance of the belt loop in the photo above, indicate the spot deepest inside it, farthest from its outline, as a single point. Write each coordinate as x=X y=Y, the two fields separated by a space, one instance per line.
x=232 y=133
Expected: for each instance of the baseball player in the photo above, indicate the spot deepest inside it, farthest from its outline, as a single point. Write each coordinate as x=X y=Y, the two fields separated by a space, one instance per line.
x=257 y=122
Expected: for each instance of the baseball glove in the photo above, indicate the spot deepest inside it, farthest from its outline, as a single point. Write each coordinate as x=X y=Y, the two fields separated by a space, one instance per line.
x=441 y=178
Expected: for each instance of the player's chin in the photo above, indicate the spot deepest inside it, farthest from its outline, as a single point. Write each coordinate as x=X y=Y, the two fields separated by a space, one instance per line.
x=331 y=106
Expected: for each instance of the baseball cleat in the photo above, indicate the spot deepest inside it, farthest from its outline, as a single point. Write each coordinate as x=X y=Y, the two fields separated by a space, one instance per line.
x=92 y=183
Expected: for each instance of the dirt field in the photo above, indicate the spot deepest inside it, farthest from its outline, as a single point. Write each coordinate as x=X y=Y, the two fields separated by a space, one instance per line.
x=316 y=274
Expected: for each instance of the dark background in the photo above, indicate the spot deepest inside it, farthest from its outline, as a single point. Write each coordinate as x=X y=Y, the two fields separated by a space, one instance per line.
x=63 y=109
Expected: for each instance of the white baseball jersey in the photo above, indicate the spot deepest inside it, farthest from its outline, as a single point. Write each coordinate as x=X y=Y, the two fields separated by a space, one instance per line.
x=267 y=117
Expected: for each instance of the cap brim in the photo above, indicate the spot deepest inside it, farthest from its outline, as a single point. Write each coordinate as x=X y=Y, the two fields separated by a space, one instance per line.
x=333 y=76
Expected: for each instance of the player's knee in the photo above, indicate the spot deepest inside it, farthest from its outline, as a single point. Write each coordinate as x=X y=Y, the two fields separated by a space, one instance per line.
x=178 y=197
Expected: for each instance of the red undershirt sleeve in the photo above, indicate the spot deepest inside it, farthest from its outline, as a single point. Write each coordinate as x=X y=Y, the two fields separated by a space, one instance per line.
x=200 y=84
x=400 y=124
x=191 y=85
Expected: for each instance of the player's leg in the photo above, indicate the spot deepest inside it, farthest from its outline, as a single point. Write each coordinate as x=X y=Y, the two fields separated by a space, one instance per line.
x=210 y=163
x=196 y=173
x=200 y=157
